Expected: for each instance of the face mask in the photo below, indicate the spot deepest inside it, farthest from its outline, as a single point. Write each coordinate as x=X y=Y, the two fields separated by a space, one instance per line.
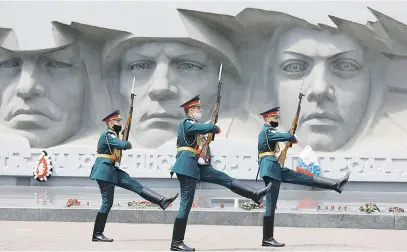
x=197 y=115
x=274 y=124
x=117 y=128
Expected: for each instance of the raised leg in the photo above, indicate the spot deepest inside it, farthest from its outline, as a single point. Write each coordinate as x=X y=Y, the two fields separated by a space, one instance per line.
x=333 y=184
x=187 y=186
x=107 y=192
x=268 y=218
x=211 y=175
x=293 y=177
x=129 y=183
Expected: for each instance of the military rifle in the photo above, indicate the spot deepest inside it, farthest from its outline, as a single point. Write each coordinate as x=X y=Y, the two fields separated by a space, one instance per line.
x=293 y=129
x=126 y=131
x=204 y=154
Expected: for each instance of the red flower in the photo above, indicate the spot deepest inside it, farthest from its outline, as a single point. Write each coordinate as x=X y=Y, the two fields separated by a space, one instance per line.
x=326 y=207
x=318 y=207
x=222 y=206
x=332 y=207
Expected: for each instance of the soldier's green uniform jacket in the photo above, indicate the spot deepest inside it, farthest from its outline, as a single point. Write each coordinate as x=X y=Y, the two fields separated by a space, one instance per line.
x=267 y=139
x=186 y=162
x=103 y=168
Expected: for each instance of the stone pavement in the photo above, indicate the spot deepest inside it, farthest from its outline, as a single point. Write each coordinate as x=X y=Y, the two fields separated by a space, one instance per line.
x=58 y=236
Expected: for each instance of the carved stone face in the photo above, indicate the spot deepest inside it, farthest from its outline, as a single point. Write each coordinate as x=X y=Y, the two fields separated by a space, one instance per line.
x=336 y=86
x=167 y=74
x=42 y=94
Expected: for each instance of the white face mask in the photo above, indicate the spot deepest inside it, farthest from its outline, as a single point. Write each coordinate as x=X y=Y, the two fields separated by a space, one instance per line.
x=197 y=115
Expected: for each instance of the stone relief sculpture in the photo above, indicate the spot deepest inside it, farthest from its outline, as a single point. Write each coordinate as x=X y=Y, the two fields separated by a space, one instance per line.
x=52 y=96
x=346 y=77
x=352 y=76
x=338 y=73
x=393 y=112
x=167 y=72
x=92 y=42
x=42 y=94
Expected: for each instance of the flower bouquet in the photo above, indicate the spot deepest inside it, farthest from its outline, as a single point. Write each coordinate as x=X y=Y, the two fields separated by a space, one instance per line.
x=250 y=206
x=308 y=162
x=369 y=208
x=141 y=204
x=72 y=202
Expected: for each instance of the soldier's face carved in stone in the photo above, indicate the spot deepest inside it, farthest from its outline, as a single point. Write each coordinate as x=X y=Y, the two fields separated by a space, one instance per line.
x=43 y=94
x=336 y=86
x=167 y=74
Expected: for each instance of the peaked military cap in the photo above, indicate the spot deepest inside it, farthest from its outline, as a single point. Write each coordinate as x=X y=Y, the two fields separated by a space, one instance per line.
x=270 y=112
x=113 y=116
x=193 y=102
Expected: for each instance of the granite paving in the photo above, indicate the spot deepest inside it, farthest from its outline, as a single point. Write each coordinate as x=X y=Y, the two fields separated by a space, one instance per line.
x=65 y=236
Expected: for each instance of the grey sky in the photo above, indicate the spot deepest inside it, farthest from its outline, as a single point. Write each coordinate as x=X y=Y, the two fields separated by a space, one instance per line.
x=31 y=19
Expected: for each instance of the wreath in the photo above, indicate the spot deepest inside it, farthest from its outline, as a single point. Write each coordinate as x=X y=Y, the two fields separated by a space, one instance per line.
x=369 y=208
x=43 y=167
x=251 y=205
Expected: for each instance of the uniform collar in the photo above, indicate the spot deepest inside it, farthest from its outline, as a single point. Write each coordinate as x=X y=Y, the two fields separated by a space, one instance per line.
x=268 y=126
x=112 y=131
x=188 y=117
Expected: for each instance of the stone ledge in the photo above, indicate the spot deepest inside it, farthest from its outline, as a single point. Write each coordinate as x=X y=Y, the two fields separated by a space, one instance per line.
x=295 y=218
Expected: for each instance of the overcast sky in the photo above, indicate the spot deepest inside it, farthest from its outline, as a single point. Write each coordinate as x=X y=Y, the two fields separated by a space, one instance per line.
x=31 y=19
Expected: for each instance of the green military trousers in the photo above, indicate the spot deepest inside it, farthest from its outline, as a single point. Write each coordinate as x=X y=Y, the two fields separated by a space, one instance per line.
x=188 y=186
x=107 y=189
x=287 y=176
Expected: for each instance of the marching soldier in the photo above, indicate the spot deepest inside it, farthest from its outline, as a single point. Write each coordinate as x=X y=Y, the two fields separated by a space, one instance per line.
x=272 y=172
x=189 y=171
x=107 y=174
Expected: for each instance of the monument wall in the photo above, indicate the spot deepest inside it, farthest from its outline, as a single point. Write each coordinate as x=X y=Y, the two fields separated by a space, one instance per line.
x=352 y=75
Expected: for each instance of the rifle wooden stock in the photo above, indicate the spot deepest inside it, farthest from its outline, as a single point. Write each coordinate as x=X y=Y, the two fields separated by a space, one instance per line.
x=214 y=120
x=204 y=154
x=283 y=154
x=126 y=132
x=293 y=129
x=210 y=137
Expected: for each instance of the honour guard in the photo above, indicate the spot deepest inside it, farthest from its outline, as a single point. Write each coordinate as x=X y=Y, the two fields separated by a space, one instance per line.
x=272 y=172
x=108 y=174
x=189 y=171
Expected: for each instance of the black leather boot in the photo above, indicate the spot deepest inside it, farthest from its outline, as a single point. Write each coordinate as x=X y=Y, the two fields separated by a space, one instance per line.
x=268 y=233
x=332 y=184
x=177 y=243
x=156 y=198
x=248 y=191
x=99 y=227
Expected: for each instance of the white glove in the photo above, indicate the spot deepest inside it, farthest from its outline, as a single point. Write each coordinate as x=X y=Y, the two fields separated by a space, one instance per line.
x=295 y=138
x=201 y=161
